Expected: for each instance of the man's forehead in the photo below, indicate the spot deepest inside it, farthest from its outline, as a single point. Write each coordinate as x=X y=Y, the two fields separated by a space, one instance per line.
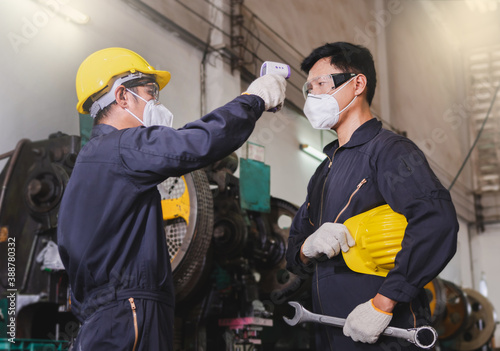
x=322 y=67
x=142 y=81
x=149 y=85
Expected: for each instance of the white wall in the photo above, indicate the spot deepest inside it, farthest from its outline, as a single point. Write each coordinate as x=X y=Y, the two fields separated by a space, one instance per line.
x=485 y=248
x=459 y=270
x=426 y=91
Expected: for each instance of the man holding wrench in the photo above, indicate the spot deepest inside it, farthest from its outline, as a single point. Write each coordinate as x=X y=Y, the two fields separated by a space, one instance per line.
x=366 y=167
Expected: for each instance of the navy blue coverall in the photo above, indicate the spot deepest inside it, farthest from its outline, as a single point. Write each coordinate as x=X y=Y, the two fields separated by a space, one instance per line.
x=110 y=235
x=374 y=168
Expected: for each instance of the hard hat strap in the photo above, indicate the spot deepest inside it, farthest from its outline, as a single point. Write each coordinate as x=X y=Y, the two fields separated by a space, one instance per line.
x=109 y=97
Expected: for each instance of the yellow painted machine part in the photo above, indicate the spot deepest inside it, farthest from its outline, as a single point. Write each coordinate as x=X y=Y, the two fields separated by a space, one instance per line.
x=432 y=303
x=378 y=234
x=177 y=208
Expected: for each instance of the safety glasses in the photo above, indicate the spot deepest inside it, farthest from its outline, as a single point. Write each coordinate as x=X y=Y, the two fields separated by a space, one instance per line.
x=154 y=90
x=151 y=88
x=323 y=84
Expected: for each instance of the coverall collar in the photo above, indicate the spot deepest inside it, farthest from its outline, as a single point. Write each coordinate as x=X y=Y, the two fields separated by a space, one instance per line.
x=362 y=135
x=101 y=129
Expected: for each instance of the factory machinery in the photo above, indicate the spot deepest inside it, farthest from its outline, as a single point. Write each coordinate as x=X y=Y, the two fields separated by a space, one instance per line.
x=228 y=263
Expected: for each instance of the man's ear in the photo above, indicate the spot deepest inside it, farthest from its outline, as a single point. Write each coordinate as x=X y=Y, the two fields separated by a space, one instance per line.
x=360 y=81
x=121 y=97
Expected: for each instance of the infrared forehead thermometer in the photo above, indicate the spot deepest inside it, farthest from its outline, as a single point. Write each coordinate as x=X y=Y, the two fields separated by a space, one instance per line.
x=282 y=69
x=269 y=67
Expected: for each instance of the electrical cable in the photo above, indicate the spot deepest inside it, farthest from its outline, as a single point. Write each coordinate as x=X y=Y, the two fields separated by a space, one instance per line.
x=201 y=17
x=254 y=16
x=250 y=32
x=203 y=75
x=251 y=52
x=273 y=31
x=477 y=138
x=217 y=7
x=252 y=48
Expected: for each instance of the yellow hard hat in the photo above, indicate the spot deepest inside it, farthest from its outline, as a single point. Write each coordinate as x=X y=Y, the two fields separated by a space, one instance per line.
x=100 y=69
x=378 y=234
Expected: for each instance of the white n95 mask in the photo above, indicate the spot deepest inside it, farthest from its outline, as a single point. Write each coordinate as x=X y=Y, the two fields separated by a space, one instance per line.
x=155 y=114
x=322 y=110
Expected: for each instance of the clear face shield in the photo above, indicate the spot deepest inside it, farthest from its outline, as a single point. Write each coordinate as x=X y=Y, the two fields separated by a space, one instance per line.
x=325 y=83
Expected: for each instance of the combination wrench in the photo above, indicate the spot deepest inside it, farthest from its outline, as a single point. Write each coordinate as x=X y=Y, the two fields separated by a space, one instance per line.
x=412 y=335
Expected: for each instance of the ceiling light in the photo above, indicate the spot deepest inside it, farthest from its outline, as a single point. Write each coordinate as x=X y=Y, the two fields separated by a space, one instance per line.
x=312 y=152
x=66 y=11
x=482 y=6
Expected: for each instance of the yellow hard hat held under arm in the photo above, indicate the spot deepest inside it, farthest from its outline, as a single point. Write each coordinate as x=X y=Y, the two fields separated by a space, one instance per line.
x=378 y=234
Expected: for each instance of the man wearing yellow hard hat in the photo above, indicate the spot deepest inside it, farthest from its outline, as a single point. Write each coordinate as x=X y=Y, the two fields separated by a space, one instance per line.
x=369 y=173
x=110 y=232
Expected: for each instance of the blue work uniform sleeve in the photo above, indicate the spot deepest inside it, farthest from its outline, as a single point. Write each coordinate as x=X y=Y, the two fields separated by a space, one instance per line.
x=153 y=154
x=410 y=187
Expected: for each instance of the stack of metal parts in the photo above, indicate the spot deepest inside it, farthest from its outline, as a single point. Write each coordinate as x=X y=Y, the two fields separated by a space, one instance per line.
x=482 y=107
x=228 y=264
x=484 y=74
x=463 y=318
x=33 y=182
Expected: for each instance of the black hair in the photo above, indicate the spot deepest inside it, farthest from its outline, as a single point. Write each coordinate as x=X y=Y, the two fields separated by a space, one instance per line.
x=348 y=58
x=132 y=85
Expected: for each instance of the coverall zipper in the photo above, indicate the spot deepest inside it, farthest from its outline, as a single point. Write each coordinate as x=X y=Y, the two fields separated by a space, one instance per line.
x=345 y=207
x=321 y=221
x=324 y=184
x=350 y=198
x=132 y=305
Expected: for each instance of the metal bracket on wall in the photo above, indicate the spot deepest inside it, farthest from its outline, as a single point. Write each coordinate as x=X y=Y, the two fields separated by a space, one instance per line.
x=478 y=208
x=237 y=38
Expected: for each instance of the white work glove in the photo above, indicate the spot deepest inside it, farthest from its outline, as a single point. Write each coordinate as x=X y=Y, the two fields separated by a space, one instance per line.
x=49 y=257
x=366 y=322
x=271 y=88
x=329 y=239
